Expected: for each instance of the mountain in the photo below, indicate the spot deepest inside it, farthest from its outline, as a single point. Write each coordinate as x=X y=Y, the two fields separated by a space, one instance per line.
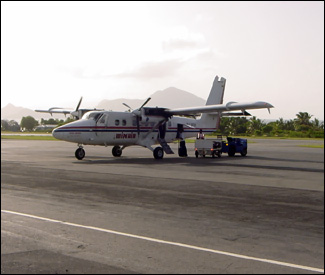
x=11 y=112
x=169 y=98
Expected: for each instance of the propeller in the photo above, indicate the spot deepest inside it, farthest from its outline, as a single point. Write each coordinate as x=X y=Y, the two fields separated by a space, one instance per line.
x=144 y=103
x=137 y=112
x=127 y=106
x=79 y=104
x=76 y=112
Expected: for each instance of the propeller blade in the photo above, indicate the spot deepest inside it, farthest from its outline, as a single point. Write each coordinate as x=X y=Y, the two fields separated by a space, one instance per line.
x=127 y=106
x=145 y=103
x=79 y=104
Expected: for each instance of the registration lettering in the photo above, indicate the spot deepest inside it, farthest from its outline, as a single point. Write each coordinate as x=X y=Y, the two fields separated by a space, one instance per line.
x=122 y=136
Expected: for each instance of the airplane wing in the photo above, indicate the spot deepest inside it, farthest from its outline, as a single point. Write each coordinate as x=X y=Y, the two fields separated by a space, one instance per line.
x=54 y=111
x=219 y=108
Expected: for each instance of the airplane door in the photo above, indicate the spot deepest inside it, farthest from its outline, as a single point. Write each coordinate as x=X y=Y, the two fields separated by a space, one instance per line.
x=180 y=129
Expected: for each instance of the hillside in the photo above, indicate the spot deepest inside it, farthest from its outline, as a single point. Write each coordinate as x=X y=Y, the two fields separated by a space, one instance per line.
x=169 y=98
x=11 y=112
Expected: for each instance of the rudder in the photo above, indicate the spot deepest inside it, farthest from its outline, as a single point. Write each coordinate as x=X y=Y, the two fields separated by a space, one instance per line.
x=215 y=97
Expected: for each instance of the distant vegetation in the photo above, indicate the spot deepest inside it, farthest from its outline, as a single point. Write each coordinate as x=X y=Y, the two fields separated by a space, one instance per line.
x=29 y=124
x=300 y=127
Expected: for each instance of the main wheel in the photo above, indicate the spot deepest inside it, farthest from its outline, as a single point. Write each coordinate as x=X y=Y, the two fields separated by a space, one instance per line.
x=80 y=153
x=158 y=153
x=117 y=151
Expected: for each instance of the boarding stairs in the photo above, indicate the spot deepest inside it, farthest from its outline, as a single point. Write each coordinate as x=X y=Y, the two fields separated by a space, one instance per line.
x=165 y=146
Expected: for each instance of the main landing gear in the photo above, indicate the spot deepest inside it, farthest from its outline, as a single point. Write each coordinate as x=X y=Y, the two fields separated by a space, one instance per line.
x=158 y=153
x=117 y=151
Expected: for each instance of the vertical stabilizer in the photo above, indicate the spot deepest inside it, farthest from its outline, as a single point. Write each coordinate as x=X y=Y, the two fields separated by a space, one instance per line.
x=217 y=91
x=215 y=97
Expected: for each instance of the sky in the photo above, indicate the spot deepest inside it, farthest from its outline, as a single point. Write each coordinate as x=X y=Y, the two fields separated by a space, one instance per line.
x=54 y=52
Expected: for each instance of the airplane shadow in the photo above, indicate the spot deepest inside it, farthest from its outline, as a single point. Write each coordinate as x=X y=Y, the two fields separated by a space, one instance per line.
x=236 y=161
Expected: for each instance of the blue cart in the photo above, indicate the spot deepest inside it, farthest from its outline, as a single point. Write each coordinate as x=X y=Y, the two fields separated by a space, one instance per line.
x=234 y=145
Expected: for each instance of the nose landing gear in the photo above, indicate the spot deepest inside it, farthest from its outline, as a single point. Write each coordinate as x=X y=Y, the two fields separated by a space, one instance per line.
x=80 y=153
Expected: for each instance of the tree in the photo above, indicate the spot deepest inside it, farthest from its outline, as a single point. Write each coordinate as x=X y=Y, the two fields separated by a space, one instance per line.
x=267 y=129
x=233 y=125
x=11 y=125
x=14 y=126
x=28 y=123
x=4 y=125
x=303 y=120
x=289 y=125
x=255 y=125
x=317 y=125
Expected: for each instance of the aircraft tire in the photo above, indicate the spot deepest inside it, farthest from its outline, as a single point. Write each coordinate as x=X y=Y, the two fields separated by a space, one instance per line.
x=80 y=153
x=158 y=153
x=117 y=151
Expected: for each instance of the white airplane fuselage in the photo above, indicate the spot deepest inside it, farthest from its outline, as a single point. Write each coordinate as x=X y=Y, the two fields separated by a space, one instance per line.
x=122 y=128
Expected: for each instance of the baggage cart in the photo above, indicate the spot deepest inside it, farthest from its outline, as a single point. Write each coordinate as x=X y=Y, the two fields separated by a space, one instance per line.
x=208 y=147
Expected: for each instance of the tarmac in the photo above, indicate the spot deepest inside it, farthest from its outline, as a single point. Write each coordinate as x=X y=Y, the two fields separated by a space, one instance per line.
x=263 y=213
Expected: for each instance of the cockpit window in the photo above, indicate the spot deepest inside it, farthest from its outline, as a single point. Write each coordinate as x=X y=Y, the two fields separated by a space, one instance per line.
x=102 y=119
x=92 y=115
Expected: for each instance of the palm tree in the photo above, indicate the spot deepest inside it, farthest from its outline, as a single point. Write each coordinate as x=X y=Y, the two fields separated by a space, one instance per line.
x=254 y=125
x=280 y=124
x=317 y=125
x=289 y=125
x=303 y=118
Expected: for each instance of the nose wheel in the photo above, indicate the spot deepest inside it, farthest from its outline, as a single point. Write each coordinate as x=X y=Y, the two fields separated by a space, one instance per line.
x=80 y=153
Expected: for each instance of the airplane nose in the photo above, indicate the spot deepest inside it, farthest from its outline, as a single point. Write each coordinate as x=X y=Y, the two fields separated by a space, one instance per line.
x=56 y=133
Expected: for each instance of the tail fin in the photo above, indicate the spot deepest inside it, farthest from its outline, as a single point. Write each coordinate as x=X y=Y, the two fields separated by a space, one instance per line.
x=215 y=97
x=217 y=91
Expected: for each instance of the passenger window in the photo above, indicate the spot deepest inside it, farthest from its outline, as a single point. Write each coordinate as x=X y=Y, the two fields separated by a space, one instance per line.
x=117 y=122
x=123 y=122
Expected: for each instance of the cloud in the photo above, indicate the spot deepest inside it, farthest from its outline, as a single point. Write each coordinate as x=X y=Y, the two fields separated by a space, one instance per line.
x=148 y=70
x=155 y=69
x=179 y=44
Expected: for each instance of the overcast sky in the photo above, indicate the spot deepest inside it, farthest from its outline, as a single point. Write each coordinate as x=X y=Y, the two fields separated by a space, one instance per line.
x=52 y=53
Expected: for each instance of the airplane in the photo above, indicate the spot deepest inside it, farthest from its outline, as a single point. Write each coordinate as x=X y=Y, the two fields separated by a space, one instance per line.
x=77 y=113
x=149 y=126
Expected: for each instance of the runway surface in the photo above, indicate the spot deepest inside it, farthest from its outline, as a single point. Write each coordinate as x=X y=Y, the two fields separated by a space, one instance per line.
x=263 y=213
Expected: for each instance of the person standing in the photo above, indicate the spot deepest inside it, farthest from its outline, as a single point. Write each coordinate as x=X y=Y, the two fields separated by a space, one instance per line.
x=200 y=135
